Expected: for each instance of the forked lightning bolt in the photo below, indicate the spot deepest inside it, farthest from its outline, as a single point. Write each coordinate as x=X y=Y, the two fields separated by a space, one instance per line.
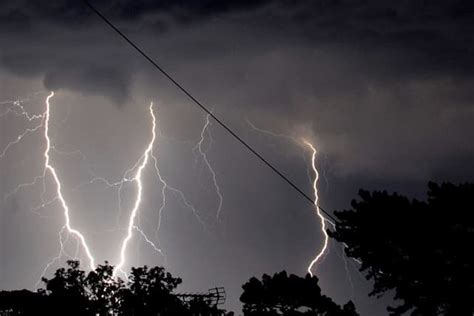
x=52 y=171
x=318 y=211
x=323 y=220
x=203 y=154
x=138 y=180
x=166 y=186
x=16 y=108
x=26 y=132
x=324 y=248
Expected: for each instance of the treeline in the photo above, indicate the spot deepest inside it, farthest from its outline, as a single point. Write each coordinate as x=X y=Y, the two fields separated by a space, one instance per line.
x=418 y=250
x=421 y=251
x=147 y=291
x=152 y=292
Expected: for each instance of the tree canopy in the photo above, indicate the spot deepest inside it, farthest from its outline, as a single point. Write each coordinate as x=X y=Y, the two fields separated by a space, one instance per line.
x=148 y=291
x=419 y=250
x=281 y=294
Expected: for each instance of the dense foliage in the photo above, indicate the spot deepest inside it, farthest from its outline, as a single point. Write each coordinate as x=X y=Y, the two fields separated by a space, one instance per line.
x=148 y=291
x=419 y=250
x=281 y=294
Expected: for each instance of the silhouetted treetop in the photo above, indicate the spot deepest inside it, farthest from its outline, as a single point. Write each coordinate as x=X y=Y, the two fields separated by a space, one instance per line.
x=147 y=292
x=419 y=249
x=281 y=294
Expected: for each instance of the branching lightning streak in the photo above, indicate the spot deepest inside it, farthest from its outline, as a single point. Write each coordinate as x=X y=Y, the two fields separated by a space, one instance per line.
x=166 y=186
x=346 y=268
x=203 y=154
x=50 y=168
x=138 y=180
x=323 y=219
x=179 y=193
x=21 y=186
x=54 y=259
x=315 y=171
x=318 y=211
x=16 y=108
x=19 y=110
x=264 y=131
x=147 y=240
x=19 y=138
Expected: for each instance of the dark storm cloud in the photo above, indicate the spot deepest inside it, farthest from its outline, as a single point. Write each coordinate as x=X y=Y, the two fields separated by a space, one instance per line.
x=76 y=12
x=410 y=37
x=354 y=66
x=41 y=39
x=406 y=38
x=96 y=80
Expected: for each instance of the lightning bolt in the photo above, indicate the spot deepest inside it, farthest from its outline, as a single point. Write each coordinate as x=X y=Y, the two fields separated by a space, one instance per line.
x=202 y=152
x=324 y=248
x=166 y=186
x=324 y=220
x=19 y=138
x=346 y=269
x=52 y=171
x=138 y=180
x=318 y=210
x=16 y=108
x=137 y=169
x=271 y=133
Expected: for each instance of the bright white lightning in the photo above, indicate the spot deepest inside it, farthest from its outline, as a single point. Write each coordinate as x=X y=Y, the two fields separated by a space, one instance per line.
x=19 y=138
x=318 y=210
x=203 y=154
x=19 y=110
x=323 y=219
x=139 y=166
x=50 y=168
x=280 y=135
x=166 y=186
x=148 y=241
x=54 y=259
x=138 y=180
x=16 y=108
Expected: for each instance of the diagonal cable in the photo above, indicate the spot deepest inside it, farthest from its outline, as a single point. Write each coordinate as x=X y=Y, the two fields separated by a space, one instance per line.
x=206 y=109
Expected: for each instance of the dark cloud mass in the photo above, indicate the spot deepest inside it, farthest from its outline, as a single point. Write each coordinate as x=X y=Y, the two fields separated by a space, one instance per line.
x=384 y=88
x=402 y=39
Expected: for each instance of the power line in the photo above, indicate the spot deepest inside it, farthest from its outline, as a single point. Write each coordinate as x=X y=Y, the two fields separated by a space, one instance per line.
x=205 y=109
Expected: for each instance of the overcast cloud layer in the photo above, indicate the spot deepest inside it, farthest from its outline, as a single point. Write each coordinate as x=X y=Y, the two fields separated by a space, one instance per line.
x=403 y=70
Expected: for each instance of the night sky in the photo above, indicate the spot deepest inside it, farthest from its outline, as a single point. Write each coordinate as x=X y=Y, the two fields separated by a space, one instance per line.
x=383 y=89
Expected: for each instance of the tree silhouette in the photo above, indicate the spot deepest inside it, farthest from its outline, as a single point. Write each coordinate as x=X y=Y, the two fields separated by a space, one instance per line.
x=419 y=250
x=281 y=294
x=105 y=293
x=23 y=302
x=148 y=291
x=67 y=291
